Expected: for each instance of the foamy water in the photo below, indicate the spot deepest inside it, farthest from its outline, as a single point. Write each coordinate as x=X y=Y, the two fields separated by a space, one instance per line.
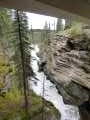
x=51 y=94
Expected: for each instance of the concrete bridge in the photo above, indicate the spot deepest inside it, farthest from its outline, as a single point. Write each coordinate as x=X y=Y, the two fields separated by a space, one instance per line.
x=72 y=9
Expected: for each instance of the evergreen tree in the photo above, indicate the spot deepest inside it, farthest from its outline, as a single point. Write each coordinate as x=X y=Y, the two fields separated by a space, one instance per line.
x=59 y=25
x=5 y=27
x=68 y=23
x=46 y=26
x=45 y=31
x=22 y=53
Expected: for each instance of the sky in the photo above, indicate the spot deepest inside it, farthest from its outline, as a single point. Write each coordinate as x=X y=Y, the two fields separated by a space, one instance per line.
x=38 y=21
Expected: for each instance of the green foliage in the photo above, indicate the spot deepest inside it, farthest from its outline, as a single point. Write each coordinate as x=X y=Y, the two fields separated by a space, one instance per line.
x=5 y=21
x=68 y=23
x=74 y=30
x=46 y=27
x=4 y=69
x=12 y=105
x=21 y=46
x=14 y=95
x=7 y=64
x=59 y=25
x=35 y=36
x=1 y=84
x=5 y=28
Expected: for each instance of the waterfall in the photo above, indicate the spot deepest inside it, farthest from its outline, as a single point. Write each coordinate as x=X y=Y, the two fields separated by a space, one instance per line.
x=68 y=112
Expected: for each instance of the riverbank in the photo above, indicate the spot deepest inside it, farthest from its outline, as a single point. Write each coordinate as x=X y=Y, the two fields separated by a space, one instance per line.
x=12 y=108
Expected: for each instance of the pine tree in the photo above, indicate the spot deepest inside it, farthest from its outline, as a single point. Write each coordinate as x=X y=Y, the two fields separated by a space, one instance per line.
x=22 y=53
x=5 y=27
x=68 y=23
x=59 y=25
x=46 y=26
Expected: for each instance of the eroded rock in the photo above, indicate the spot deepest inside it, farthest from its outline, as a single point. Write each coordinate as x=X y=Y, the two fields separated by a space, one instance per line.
x=71 y=67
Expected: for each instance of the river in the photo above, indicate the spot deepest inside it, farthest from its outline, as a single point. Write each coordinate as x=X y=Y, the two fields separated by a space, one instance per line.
x=51 y=94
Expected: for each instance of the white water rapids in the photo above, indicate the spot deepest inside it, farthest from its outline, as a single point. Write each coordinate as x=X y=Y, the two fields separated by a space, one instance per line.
x=51 y=94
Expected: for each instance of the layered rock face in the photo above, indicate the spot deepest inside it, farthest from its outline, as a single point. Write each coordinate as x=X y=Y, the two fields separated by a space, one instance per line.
x=70 y=70
x=71 y=67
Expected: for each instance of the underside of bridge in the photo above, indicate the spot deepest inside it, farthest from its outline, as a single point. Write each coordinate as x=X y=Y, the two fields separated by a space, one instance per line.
x=73 y=9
